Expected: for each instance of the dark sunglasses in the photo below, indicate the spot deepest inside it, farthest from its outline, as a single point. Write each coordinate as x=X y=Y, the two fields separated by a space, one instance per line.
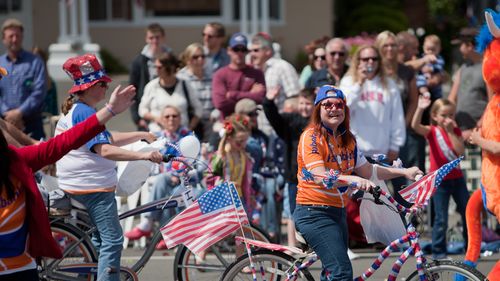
x=170 y=116
x=340 y=54
x=369 y=58
x=103 y=85
x=329 y=105
x=209 y=36
x=255 y=50
x=240 y=50
x=253 y=114
x=195 y=57
x=319 y=57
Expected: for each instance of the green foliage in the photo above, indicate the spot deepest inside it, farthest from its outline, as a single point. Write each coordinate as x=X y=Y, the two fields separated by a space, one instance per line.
x=301 y=60
x=111 y=63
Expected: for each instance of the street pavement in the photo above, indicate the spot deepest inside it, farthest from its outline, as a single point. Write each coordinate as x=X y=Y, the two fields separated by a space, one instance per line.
x=160 y=267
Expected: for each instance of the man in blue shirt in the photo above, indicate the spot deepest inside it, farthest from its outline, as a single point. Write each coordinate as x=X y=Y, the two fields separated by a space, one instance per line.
x=22 y=92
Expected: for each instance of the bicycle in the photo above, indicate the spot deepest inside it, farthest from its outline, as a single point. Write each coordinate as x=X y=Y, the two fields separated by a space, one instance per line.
x=274 y=264
x=79 y=260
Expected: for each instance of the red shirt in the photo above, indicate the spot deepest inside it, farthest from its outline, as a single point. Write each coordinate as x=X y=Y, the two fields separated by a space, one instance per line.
x=439 y=139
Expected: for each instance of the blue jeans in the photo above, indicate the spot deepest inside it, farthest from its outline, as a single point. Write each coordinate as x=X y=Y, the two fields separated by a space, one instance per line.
x=269 y=216
x=325 y=230
x=108 y=240
x=163 y=187
x=458 y=190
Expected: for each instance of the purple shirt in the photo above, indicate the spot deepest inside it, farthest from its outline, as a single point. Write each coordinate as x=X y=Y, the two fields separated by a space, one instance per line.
x=231 y=85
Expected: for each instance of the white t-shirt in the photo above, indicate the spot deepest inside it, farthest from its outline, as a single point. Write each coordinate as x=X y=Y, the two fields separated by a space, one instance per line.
x=82 y=170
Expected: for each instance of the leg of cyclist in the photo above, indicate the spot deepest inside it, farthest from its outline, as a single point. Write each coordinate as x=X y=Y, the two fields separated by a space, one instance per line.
x=325 y=229
x=103 y=212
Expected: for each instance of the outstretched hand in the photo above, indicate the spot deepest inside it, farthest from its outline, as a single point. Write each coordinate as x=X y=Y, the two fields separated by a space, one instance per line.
x=121 y=99
x=424 y=101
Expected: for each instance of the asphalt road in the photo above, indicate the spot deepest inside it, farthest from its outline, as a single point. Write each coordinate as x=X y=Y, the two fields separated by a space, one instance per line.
x=160 y=266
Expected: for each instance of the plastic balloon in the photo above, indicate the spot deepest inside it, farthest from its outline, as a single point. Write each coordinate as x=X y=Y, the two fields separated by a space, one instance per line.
x=189 y=146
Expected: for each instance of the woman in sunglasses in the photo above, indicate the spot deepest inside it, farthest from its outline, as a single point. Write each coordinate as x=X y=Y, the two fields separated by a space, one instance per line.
x=88 y=174
x=378 y=120
x=317 y=61
x=326 y=146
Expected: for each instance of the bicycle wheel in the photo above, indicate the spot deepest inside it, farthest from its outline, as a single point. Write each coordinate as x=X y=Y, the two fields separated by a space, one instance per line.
x=274 y=264
x=447 y=270
x=218 y=257
x=74 y=252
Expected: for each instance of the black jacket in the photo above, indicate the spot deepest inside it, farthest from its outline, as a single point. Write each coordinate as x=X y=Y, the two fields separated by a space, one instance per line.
x=139 y=77
x=289 y=127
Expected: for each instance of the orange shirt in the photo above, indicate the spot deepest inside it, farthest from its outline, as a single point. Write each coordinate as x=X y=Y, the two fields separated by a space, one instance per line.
x=13 y=232
x=316 y=151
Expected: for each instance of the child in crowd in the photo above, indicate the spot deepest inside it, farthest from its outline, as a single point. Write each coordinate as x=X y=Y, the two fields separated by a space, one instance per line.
x=231 y=162
x=432 y=46
x=446 y=144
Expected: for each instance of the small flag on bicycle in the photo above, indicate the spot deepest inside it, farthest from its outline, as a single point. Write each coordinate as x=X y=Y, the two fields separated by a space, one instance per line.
x=215 y=215
x=421 y=191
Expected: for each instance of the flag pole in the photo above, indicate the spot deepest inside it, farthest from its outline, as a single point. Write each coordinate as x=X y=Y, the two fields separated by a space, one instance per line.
x=231 y=187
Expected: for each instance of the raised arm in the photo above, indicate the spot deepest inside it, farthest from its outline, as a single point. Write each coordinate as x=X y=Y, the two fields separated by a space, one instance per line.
x=416 y=122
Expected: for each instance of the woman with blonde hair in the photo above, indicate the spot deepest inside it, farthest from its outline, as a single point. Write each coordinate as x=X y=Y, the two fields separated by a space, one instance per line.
x=199 y=78
x=413 y=151
x=375 y=103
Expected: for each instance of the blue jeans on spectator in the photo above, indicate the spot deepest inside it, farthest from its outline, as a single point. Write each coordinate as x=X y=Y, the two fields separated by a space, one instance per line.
x=108 y=240
x=458 y=190
x=325 y=230
x=162 y=187
x=269 y=216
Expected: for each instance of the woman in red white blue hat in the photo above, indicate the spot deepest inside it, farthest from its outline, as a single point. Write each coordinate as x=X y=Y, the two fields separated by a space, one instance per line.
x=88 y=173
x=25 y=230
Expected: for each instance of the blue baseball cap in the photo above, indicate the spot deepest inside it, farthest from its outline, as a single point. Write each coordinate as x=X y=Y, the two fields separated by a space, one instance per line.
x=328 y=91
x=238 y=39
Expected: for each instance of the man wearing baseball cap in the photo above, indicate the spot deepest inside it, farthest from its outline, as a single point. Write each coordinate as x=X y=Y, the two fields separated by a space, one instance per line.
x=468 y=91
x=237 y=80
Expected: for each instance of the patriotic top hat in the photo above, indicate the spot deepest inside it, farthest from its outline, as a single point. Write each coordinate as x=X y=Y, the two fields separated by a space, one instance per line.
x=85 y=71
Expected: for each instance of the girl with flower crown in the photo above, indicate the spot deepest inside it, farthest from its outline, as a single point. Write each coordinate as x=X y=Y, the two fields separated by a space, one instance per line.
x=231 y=162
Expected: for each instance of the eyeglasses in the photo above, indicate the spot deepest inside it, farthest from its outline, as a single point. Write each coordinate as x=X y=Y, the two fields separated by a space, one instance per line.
x=171 y=116
x=255 y=50
x=253 y=114
x=195 y=57
x=374 y=59
x=240 y=50
x=328 y=105
x=103 y=85
x=340 y=54
x=209 y=36
x=319 y=57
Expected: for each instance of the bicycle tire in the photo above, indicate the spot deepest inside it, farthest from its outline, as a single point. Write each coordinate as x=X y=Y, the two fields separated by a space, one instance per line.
x=186 y=268
x=67 y=235
x=275 y=267
x=448 y=270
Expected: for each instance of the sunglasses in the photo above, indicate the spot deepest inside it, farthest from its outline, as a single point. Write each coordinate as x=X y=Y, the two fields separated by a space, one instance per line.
x=170 y=116
x=240 y=50
x=195 y=57
x=253 y=114
x=319 y=57
x=340 y=54
x=103 y=85
x=330 y=105
x=255 y=50
x=374 y=59
x=209 y=36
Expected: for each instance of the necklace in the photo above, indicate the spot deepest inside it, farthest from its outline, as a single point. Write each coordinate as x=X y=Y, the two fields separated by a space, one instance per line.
x=337 y=156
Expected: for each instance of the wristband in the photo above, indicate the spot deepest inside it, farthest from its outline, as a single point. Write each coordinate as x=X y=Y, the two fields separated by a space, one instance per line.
x=108 y=108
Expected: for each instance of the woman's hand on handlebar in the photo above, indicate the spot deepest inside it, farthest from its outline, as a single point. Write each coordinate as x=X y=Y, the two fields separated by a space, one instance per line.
x=412 y=172
x=153 y=156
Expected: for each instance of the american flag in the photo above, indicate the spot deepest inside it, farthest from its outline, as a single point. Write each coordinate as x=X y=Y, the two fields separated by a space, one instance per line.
x=420 y=191
x=212 y=217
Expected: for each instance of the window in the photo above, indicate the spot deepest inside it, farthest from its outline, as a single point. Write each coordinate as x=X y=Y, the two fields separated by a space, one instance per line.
x=158 y=8
x=274 y=9
x=102 y=10
x=9 y=6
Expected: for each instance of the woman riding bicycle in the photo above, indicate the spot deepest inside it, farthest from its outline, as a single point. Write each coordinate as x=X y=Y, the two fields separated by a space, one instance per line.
x=320 y=216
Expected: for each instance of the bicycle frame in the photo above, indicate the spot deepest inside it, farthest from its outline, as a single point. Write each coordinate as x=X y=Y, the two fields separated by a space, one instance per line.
x=411 y=238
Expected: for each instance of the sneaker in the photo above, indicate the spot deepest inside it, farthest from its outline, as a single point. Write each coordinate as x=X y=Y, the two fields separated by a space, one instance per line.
x=352 y=255
x=161 y=245
x=137 y=233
